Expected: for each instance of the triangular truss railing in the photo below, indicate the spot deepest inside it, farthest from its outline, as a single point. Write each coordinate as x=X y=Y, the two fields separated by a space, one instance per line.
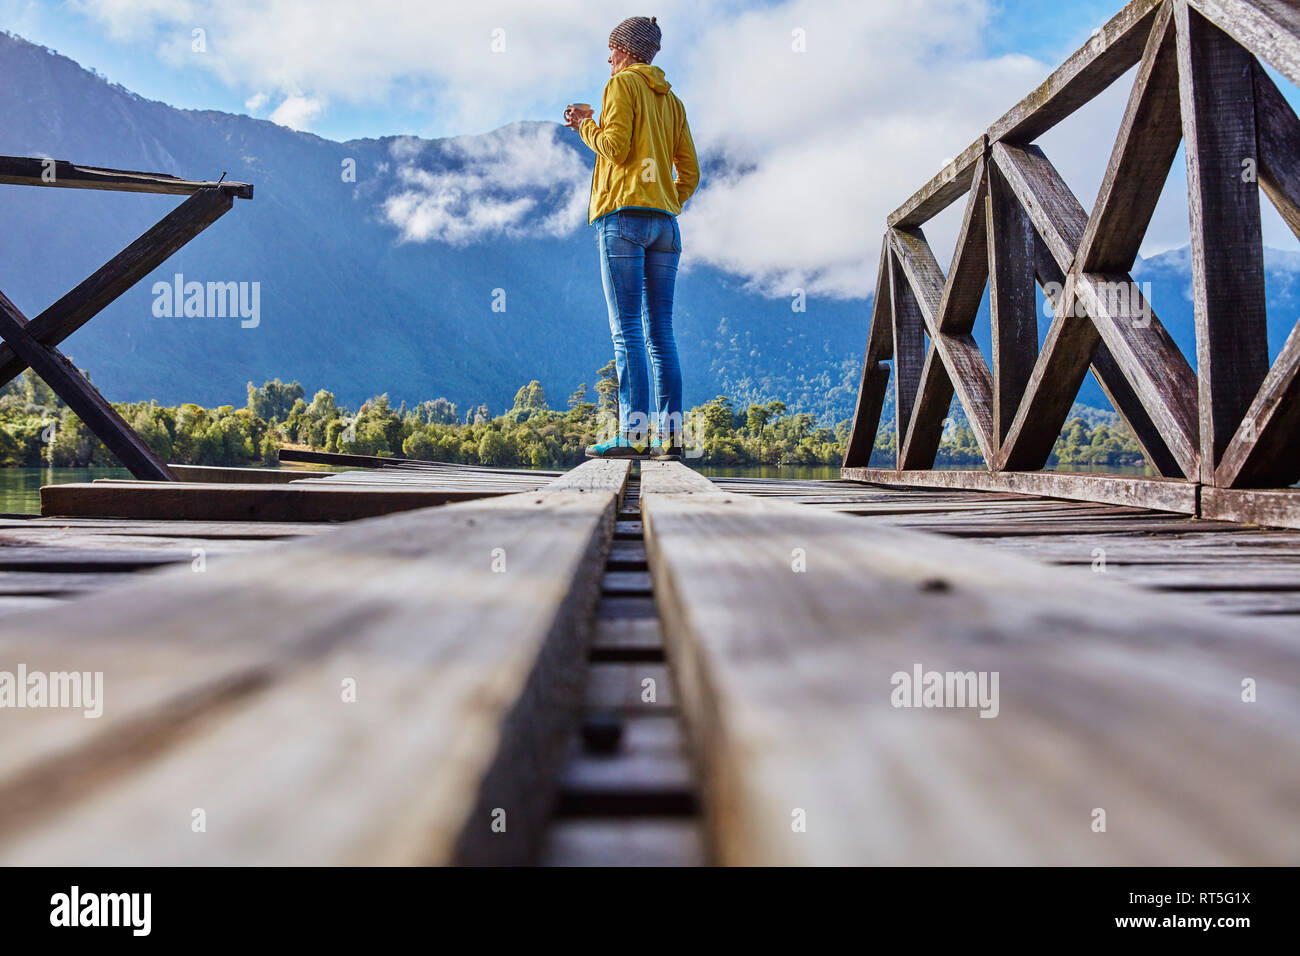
x=1232 y=423
x=32 y=343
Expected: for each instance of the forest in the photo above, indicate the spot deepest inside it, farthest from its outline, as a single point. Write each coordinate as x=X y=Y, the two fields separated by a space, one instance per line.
x=37 y=429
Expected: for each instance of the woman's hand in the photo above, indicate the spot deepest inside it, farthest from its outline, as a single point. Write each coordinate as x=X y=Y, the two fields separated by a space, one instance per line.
x=573 y=116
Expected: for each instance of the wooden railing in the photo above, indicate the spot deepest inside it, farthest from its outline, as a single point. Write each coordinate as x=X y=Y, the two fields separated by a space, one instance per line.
x=32 y=343
x=1232 y=424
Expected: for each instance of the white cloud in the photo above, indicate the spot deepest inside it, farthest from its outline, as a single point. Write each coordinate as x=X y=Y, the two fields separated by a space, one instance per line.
x=255 y=102
x=519 y=181
x=135 y=19
x=370 y=53
x=821 y=145
x=833 y=139
x=297 y=111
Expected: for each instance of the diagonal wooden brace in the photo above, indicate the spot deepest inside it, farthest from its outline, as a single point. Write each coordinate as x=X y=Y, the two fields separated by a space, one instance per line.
x=124 y=270
x=82 y=397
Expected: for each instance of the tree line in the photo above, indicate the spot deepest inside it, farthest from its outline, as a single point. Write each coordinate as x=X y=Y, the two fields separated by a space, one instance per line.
x=37 y=429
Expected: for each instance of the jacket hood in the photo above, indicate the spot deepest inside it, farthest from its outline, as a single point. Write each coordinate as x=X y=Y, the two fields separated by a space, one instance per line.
x=653 y=76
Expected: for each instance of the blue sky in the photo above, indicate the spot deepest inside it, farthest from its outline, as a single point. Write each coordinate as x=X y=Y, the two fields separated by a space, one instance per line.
x=1046 y=31
x=827 y=113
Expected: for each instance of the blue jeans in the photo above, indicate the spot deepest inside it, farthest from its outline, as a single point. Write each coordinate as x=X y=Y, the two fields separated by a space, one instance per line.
x=639 y=252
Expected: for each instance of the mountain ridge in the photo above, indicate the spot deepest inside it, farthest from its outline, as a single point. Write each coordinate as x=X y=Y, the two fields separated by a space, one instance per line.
x=376 y=286
x=347 y=305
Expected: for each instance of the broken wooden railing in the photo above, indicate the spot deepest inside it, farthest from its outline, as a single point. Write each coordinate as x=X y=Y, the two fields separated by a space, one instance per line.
x=1215 y=435
x=33 y=343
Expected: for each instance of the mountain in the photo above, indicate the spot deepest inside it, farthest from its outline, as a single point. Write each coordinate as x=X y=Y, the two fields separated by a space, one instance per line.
x=351 y=298
x=387 y=283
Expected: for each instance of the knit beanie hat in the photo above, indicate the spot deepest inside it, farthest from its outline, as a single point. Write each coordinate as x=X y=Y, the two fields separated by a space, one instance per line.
x=638 y=36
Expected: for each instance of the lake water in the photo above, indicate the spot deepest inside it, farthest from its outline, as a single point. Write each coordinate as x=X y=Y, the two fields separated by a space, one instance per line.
x=20 y=488
x=805 y=472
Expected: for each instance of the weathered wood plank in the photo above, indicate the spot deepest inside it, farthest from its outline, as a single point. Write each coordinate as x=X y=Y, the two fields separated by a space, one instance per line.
x=594 y=475
x=1277 y=130
x=36 y=171
x=618 y=686
x=1275 y=509
x=1053 y=385
x=1128 y=403
x=969 y=273
x=1264 y=452
x=963 y=365
x=1149 y=136
x=925 y=429
x=447 y=479
x=1110 y=52
x=1137 y=341
x=1239 y=577
x=1035 y=509
x=1252 y=546
x=308 y=457
x=880 y=331
x=54 y=584
x=1013 y=300
x=66 y=558
x=634 y=841
x=649 y=773
x=1280 y=606
x=1159 y=493
x=1151 y=362
x=1043 y=194
x=467 y=676
x=624 y=638
x=786 y=681
x=26 y=603
x=909 y=348
x=947 y=186
x=82 y=397
x=213 y=473
x=866 y=417
x=875 y=373
x=1028 y=527
x=1217 y=96
x=1110 y=376
x=973 y=383
x=1115 y=48
x=1072 y=342
x=1268 y=28
x=11 y=538
x=902 y=505
x=174 y=529
x=196 y=501
x=924 y=277
x=667 y=477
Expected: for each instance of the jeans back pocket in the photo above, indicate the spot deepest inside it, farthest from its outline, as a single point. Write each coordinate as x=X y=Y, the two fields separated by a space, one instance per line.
x=634 y=228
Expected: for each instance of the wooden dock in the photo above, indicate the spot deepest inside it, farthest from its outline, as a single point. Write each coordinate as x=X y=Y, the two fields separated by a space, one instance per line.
x=412 y=662
x=635 y=664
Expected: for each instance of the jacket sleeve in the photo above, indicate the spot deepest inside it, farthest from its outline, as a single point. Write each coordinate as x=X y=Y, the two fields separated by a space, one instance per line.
x=612 y=138
x=687 y=163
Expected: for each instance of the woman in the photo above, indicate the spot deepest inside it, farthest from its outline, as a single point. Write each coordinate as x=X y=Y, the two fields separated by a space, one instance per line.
x=635 y=198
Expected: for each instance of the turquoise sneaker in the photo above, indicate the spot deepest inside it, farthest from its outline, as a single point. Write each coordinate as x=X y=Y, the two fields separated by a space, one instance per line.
x=620 y=447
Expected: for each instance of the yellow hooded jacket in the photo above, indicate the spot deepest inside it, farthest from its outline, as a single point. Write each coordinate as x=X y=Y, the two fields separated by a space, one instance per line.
x=641 y=137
